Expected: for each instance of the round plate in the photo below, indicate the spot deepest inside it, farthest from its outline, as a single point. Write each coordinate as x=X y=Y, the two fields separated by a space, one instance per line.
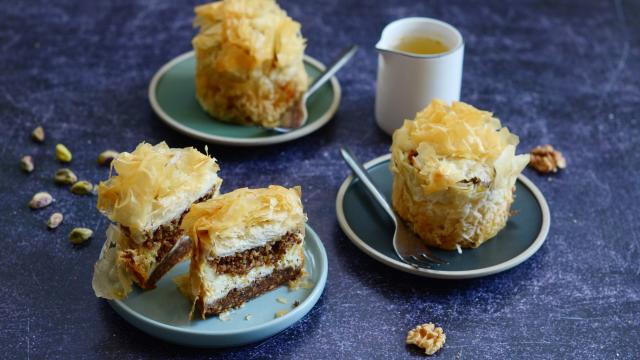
x=371 y=230
x=163 y=312
x=173 y=98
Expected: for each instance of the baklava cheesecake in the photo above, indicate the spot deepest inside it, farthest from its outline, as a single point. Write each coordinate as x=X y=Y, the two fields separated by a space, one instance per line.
x=249 y=61
x=146 y=197
x=454 y=172
x=245 y=243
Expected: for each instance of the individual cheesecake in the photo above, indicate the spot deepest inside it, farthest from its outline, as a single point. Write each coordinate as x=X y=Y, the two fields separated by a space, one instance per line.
x=454 y=170
x=249 y=61
x=147 y=196
x=245 y=243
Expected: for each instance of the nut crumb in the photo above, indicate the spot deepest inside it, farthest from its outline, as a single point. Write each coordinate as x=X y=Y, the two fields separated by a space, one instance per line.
x=282 y=300
x=296 y=303
x=545 y=159
x=428 y=337
x=248 y=317
x=281 y=313
x=225 y=316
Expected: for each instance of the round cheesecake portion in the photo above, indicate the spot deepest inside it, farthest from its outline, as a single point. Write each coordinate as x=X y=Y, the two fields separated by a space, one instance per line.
x=454 y=170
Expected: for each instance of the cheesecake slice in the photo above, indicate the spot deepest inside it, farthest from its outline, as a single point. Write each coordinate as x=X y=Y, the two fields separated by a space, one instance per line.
x=245 y=243
x=147 y=198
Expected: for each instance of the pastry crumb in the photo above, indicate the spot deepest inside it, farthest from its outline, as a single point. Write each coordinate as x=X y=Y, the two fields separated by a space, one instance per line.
x=248 y=317
x=545 y=159
x=282 y=300
x=225 y=316
x=280 y=313
x=428 y=337
x=242 y=305
x=459 y=248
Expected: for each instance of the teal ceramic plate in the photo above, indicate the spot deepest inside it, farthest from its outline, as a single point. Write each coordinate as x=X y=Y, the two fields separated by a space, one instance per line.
x=172 y=97
x=371 y=230
x=163 y=311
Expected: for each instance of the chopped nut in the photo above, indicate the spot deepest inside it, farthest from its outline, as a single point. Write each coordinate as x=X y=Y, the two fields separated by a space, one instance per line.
x=65 y=177
x=40 y=200
x=38 y=134
x=545 y=159
x=82 y=187
x=281 y=313
x=282 y=300
x=55 y=220
x=296 y=303
x=26 y=163
x=427 y=336
x=248 y=317
x=63 y=154
x=106 y=157
x=225 y=316
x=80 y=235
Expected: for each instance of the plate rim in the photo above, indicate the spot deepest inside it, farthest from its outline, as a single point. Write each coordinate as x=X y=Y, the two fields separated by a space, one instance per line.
x=439 y=274
x=223 y=140
x=287 y=319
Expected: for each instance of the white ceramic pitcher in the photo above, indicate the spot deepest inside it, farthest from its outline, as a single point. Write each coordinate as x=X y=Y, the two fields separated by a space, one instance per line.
x=408 y=82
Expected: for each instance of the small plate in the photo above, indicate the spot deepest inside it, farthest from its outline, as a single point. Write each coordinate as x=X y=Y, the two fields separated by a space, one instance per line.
x=371 y=230
x=173 y=98
x=163 y=311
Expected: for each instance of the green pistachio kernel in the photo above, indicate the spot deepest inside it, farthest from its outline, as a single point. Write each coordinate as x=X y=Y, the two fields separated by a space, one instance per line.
x=80 y=235
x=63 y=154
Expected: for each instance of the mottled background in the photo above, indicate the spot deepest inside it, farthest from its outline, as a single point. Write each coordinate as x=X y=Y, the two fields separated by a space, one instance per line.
x=565 y=73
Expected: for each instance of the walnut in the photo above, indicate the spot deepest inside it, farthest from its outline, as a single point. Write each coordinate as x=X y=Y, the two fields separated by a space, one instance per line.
x=545 y=159
x=427 y=336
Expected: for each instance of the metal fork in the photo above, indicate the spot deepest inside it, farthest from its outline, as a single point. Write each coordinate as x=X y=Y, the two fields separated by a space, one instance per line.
x=406 y=244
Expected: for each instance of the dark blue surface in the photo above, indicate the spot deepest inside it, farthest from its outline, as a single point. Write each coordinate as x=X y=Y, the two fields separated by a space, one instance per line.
x=559 y=72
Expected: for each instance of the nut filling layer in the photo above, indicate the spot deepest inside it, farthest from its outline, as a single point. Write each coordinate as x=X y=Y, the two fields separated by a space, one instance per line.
x=269 y=254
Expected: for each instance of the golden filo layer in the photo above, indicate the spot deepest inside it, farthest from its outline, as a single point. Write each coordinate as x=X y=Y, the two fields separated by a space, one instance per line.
x=249 y=61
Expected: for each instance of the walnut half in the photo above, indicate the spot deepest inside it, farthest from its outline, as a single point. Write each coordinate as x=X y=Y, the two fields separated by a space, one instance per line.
x=546 y=159
x=427 y=336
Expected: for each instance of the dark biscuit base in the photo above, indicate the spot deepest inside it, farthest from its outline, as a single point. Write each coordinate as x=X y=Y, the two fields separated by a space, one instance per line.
x=269 y=254
x=236 y=297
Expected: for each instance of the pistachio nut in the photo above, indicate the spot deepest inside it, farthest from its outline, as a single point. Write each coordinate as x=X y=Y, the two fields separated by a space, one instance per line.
x=65 y=176
x=80 y=235
x=26 y=163
x=82 y=187
x=38 y=134
x=55 y=220
x=40 y=200
x=106 y=157
x=62 y=153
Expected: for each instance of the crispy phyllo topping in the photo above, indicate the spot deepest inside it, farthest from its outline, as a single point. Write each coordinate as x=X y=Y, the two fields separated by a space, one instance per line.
x=155 y=184
x=249 y=61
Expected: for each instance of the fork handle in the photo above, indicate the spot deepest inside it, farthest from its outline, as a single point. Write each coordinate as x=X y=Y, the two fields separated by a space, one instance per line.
x=362 y=174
